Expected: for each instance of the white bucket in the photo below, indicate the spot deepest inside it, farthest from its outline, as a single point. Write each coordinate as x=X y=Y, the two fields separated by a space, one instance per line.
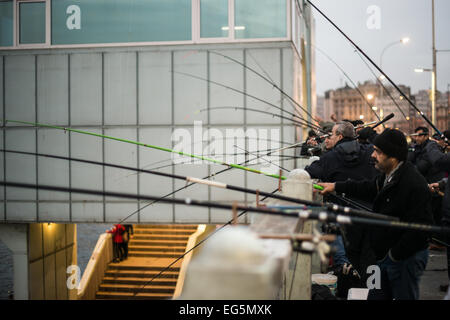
x=325 y=279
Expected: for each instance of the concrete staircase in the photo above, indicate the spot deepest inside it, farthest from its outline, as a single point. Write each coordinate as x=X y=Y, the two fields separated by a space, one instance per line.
x=150 y=250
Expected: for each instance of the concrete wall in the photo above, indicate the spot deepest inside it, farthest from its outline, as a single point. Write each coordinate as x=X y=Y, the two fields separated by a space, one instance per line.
x=137 y=94
x=52 y=248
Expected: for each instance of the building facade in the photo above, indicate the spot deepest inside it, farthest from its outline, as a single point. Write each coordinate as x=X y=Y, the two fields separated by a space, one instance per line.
x=144 y=71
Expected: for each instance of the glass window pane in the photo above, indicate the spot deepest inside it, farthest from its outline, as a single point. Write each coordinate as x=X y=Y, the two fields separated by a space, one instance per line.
x=260 y=19
x=32 y=22
x=6 y=23
x=108 y=21
x=213 y=18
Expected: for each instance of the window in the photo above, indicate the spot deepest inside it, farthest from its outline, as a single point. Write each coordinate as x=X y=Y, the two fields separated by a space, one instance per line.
x=6 y=23
x=109 y=21
x=71 y=23
x=214 y=19
x=260 y=19
x=32 y=22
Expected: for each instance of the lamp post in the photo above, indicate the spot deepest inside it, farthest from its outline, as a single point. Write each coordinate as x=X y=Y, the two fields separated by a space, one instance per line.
x=433 y=91
x=433 y=74
x=401 y=41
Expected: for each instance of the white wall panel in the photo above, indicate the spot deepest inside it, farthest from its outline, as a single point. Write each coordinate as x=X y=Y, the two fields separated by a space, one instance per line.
x=266 y=62
x=155 y=87
x=21 y=168
x=20 y=88
x=120 y=88
x=152 y=184
x=86 y=89
x=161 y=213
x=54 y=212
x=2 y=175
x=20 y=211
x=230 y=74
x=115 y=212
x=119 y=180
x=86 y=175
x=87 y=212
x=52 y=89
x=53 y=171
x=190 y=94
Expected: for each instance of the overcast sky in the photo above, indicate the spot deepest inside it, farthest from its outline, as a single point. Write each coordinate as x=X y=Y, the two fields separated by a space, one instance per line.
x=398 y=19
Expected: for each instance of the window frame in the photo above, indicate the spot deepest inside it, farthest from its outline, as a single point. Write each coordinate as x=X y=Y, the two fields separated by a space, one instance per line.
x=16 y=32
x=195 y=30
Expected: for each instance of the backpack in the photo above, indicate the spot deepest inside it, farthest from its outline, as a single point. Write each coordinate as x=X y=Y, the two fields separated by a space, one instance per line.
x=125 y=235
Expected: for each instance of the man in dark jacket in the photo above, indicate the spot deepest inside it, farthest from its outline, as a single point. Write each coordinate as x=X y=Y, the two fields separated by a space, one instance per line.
x=423 y=154
x=348 y=159
x=443 y=163
x=400 y=191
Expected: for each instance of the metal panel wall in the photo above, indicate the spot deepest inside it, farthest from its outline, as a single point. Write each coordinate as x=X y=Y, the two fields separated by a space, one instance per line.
x=140 y=94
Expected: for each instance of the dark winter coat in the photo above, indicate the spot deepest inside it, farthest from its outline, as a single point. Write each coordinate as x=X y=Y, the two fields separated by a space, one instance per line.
x=407 y=197
x=423 y=156
x=347 y=160
x=443 y=163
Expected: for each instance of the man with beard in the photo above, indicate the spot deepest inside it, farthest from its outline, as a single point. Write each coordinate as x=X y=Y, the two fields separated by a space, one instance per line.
x=402 y=192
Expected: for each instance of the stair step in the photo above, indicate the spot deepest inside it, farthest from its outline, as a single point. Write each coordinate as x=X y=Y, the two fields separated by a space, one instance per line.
x=165 y=226
x=129 y=295
x=112 y=267
x=153 y=255
x=139 y=274
x=136 y=288
x=157 y=243
x=157 y=248
x=141 y=281
x=159 y=237
x=163 y=231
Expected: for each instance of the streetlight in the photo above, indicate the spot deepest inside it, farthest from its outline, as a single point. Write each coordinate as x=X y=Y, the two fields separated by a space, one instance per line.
x=402 y=41
x=433 y=91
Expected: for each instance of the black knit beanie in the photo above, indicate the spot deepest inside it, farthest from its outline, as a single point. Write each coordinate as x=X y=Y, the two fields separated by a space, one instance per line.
x=393 y=143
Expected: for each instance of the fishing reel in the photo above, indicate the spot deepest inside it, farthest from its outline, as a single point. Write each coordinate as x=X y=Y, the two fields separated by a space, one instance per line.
x=315 y=245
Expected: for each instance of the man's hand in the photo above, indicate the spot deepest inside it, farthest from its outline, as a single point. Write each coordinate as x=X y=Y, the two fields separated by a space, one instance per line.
x=311 y=142
x=434 y=187
x=327 y=187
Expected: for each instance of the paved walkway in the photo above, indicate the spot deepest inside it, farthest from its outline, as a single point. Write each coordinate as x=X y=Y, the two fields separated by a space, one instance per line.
x=435 y=274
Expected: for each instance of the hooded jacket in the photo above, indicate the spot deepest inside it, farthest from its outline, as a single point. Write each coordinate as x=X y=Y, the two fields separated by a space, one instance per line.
x=405 y=196
x=443 y=163
x=423 y=156
x=347 y=160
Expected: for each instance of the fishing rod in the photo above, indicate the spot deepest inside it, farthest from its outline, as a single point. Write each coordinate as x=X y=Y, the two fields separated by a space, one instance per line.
x=378 y=68
x=354 y=85
x=259 y=111
x=382 y=85
x=237 y=166
x=267 y=80
x=268 y=161
x=331 y=207
x=246 y=94
x=194 y=247
x=297 y=213
x=388 y=117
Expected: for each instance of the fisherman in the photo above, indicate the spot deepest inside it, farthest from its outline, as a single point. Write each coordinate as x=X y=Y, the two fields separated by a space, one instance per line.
x=442 y=188
x=347 y=160
x=316 y=145
x=400 y=191
x=423 y=154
